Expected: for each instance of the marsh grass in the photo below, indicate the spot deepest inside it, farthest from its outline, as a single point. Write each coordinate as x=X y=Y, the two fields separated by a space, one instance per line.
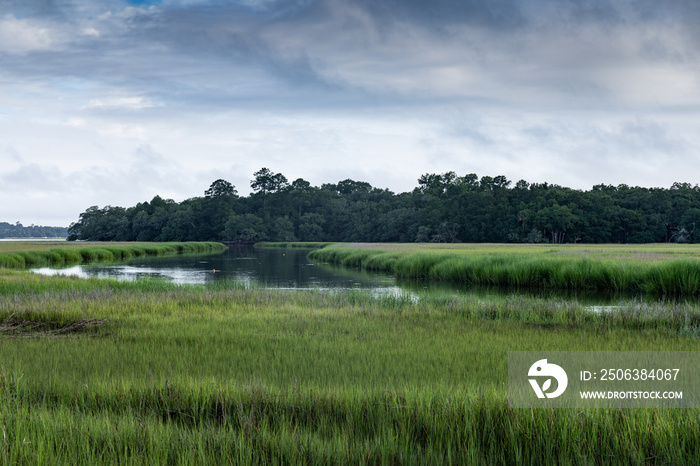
x=232 y=373
x=19 y=255
x=252 y=424
x=659 y=270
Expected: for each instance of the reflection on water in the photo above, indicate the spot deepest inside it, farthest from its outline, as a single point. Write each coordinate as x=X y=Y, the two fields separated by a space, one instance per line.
x=277 y=268
x=290 y=269
x=125 y=272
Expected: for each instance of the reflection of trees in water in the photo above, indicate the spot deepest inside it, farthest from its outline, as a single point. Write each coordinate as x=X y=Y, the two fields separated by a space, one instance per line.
x=290 y=267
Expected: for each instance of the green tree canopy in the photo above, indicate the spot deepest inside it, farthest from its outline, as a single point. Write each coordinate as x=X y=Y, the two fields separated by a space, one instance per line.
x=220 y=188
x=445 y=207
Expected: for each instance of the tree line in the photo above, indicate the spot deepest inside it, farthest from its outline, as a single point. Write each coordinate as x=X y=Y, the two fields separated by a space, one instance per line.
x=442 y=208
x=8 y=230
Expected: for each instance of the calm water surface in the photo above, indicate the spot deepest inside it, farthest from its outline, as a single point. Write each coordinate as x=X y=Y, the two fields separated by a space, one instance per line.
x=289 y=269
x=276 y=268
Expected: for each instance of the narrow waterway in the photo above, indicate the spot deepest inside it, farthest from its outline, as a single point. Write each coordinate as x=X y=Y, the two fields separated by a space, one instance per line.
x=290 y=269
x=270 y=267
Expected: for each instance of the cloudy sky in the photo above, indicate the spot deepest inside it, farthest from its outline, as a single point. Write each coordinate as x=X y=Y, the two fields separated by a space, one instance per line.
x=111 y=102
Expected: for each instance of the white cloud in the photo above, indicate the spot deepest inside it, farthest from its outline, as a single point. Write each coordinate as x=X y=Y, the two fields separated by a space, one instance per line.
x=76 y=122
x=20 y=36
x=126 y=103
x=123 y=131
x=91 y=32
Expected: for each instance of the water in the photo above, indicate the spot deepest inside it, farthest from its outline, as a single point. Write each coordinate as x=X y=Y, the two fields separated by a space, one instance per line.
x=276 y=268
x=290 y=269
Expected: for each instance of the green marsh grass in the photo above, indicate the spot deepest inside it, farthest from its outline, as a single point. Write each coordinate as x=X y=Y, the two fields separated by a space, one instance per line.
x=668 y=270
x=26 y=254
x=236 y=374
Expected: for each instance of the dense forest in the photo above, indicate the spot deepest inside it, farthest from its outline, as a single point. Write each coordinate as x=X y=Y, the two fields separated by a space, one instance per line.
x=8 y=230
x=442 y=208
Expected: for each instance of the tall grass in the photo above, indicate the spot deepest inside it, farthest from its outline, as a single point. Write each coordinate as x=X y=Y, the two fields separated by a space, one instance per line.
x=218 y=375
x=572 y=269
x=229 y=373
x=251 y=424
x=27 y=255
x=24 y=295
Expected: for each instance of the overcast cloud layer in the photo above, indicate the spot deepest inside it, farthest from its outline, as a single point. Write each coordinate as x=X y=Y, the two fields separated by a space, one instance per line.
x=110 y=102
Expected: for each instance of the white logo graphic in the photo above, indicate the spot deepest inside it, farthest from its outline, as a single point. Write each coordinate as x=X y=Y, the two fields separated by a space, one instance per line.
x=542 y=369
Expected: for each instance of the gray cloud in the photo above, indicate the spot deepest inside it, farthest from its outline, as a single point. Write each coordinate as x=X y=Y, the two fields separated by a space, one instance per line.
x=381 y=90
x=9 y=154
x=359 y=51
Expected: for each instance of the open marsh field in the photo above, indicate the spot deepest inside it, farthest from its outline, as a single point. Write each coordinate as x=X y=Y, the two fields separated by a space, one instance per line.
x=148 y=372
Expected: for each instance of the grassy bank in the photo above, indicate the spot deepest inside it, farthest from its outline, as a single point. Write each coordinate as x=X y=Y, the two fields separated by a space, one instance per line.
x=23 y=254
x=671 y=270
x=161 y=373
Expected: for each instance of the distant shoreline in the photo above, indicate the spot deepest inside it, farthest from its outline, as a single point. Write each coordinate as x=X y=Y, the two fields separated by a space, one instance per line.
x=33 y=239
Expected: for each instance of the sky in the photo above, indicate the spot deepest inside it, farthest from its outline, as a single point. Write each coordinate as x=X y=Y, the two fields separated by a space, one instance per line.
x=112 y=102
